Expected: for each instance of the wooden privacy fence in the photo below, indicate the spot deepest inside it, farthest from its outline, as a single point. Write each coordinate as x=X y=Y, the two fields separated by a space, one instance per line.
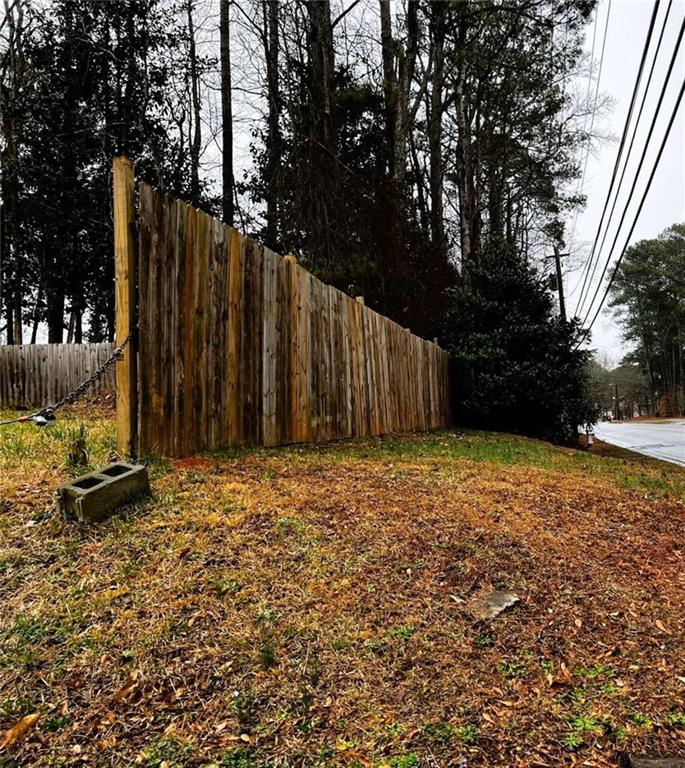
x=238 y=345
x=37 y=375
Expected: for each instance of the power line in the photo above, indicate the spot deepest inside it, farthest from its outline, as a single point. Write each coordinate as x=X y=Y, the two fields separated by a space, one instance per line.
x=638 y=79
x=639 y=168
x=639 y=210
x=582 y=298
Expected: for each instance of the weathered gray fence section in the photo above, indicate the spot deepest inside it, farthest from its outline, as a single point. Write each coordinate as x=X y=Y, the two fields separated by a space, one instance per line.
x=240 y=346
x=36 y=375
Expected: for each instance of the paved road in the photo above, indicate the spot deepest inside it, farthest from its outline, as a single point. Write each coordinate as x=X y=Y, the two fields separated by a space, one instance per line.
x=662 y=440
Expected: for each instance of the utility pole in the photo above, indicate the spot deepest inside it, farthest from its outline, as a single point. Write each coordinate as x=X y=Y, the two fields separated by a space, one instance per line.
x=617 y=415
x=560 y=284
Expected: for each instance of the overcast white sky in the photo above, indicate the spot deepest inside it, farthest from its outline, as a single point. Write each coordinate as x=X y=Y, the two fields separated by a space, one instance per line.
x=665 y=204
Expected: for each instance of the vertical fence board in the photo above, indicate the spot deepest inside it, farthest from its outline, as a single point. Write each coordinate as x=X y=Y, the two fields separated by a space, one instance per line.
x=270 y=317
x=145 y=305
x=292 y=434
x=245 y=363
x=154 y=323
x=167 y=329
x=283 y=364
x=178 y=327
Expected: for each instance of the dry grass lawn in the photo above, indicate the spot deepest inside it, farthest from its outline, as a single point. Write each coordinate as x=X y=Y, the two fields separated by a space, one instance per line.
x=314 y=607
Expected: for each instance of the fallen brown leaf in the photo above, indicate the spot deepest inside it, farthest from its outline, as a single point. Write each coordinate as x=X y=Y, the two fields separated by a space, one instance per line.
x=128 y=687
x=19 y=730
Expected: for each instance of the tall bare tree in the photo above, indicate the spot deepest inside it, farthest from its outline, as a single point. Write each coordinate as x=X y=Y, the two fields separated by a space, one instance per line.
x=437 y=56
x=13 y=66
x=226 y=112
x=399 y=63
x=322 y=64
x=274 y=148
x=196 y=140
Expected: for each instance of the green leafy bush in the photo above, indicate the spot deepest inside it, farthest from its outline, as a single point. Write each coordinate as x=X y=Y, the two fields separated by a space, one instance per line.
x=518 y=366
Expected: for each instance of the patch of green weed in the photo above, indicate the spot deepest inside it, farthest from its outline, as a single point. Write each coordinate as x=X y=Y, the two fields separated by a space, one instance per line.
x=227 y=587
x=395 y=729
x=410 y=760
x=170 y=751
x=440 y=732
x=267 y=654
x=597 y=670
x=642 y=721
x=676 y=719
x=572 y=741
x=16 y=708
x=288 y=525
x=467 y=733
x=236 y=758
x=512 y=670
x=404 y=632
x=53 y=724
x=244 y=707
x=584 y=723
x=484 y=640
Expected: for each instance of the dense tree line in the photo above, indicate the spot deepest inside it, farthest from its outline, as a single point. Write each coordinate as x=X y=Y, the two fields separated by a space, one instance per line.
x=82 y=82
x=416 y=153
x=618 y=392
x=648 y=295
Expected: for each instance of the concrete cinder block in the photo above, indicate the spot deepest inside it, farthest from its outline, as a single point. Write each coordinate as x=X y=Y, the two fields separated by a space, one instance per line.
x=94 y=497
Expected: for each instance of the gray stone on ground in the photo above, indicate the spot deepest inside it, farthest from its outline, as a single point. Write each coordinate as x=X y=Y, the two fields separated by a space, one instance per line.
x=492 y=604
x=625 y=761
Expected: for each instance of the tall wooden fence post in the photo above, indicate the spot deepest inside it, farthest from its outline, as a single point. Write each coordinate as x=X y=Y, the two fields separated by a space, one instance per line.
x=125 y=306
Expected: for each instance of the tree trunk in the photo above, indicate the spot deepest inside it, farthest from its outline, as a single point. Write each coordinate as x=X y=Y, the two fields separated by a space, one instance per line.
x=437 y=36
x=55 y=316
x=398 y=73
x=399 y=62
x=18 y=325
x=196 y=142
x=389 y=83
x=12 y=74
x=78 y=325
x=271 y=44
x=36 y=310
x=70 y=327
x=406 y=69
x=322 y=61
x=39 y=299
x=464 y=181
x=424 y=217
x=226 y=113
x=322 y=174
x=496 y=228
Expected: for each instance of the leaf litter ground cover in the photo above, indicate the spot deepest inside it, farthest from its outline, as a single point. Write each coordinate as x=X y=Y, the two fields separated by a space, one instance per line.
x=314 y=607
